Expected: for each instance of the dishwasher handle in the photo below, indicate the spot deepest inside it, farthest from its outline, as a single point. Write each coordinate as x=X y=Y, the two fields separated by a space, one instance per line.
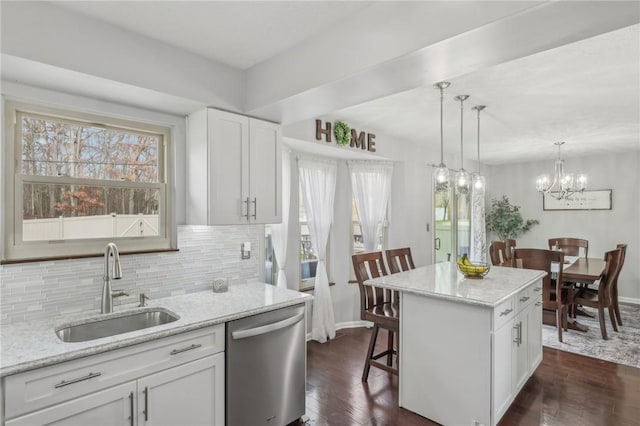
x=264 y=329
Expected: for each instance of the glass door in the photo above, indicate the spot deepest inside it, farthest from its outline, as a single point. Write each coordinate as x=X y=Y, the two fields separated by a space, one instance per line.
x=443 y=241
x=452 y=218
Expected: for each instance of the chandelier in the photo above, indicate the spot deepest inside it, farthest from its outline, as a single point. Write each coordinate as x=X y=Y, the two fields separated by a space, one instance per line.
x=563 y=185
x=478 y=179
x=441 y=175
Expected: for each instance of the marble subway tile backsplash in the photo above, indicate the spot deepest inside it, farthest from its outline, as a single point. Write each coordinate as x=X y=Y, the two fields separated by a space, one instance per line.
x=46 y=289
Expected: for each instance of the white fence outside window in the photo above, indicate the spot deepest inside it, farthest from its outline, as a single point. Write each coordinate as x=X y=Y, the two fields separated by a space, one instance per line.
x=103 y=226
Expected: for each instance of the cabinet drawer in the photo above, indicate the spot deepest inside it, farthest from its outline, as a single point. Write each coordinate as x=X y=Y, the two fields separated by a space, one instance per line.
x=536 y=290
x=524 y=298
x=503 y=313
x=36 y=389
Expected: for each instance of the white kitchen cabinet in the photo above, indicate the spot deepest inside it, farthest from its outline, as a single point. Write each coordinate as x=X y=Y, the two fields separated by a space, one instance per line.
x=534 y=335
x=113 y=406
x=196 y=389
x=173 y=380
x=234 y=169
x=518 y=344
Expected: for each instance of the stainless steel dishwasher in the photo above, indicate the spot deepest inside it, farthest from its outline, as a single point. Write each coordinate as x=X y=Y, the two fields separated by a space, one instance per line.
x=266 y=368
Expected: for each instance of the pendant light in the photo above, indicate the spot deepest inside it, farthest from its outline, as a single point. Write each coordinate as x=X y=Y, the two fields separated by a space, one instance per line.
x=463 y=179
x=441 y=174
x=478 y=179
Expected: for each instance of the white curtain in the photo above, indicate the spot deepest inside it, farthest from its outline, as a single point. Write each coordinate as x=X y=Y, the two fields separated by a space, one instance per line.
x=279 y=231
x=371 y=184
x=478 y=226
x=318 y=185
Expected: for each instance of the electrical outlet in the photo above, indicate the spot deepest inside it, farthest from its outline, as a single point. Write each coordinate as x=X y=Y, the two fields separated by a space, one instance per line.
x=245 y=250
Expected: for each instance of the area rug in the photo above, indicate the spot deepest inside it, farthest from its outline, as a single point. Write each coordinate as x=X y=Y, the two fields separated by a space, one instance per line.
x=622 y=347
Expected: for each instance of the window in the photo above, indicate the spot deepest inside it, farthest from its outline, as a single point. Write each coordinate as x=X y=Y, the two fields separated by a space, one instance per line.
x=270 y=261
x=358 y=242
x=308 y=258
x=80 y=181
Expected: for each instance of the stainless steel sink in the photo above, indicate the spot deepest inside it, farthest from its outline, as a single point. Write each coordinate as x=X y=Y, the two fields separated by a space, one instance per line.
x=118 y=324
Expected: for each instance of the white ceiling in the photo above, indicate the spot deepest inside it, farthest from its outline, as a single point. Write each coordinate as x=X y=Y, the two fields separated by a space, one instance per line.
x=586 y=93
x=251 y=31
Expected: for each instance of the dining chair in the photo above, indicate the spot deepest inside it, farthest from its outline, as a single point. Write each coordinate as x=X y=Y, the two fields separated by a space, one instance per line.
x=600 y=297
x=555 y=295
x=399 y=260
x=570 y=246
x=380 y=306
x=510 y=246
x=614 y=287
x=500 y=253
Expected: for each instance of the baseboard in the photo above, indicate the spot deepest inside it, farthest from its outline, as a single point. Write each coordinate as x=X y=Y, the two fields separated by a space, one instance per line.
x=348 y=324
x=629 y=300
x=353 y=324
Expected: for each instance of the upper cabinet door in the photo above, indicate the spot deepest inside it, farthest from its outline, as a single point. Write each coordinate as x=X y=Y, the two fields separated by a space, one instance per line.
x=265 y=172
x=234 y=170
x=228 y=136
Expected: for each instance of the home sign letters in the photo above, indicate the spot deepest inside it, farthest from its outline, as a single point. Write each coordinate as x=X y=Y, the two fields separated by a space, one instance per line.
x=362 y=140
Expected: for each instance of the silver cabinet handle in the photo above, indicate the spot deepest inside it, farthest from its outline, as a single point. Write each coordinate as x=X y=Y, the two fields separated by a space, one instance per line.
x=537 y=289
x=506 y=312
x=177 y=351
x=242 y=334
x=538 y=303
x=131 y=408
x=524 y=299
x=247 y=203
x=255 y=208
x=518 y=338
x=79 y=379
x=146 y=403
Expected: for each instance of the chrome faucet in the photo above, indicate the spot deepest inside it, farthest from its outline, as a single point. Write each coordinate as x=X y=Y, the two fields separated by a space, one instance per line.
x=114 y=273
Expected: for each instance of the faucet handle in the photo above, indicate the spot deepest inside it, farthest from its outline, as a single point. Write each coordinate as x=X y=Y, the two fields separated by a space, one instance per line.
x=143 y=298
x=118 y=293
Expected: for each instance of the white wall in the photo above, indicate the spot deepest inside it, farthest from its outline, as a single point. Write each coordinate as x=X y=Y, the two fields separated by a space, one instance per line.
x=603 y=228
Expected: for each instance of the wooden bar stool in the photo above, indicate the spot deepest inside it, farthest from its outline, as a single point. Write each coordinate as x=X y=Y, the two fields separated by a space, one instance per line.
x=399 y=260
x=380 y=306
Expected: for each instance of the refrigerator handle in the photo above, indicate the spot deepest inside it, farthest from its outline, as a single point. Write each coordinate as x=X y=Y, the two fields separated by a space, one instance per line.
x=242 y=334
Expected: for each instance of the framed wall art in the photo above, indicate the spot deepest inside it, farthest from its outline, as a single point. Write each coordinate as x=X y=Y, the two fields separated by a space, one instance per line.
x=587 y=200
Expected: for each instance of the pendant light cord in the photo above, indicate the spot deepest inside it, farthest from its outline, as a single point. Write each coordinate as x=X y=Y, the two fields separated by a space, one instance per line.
x=441 y=124
x=461 y=134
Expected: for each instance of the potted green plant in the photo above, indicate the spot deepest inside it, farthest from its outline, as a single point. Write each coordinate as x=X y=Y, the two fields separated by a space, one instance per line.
x=505 y=219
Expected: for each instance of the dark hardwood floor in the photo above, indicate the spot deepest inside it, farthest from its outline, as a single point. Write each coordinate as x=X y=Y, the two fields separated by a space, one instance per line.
x=566 y=389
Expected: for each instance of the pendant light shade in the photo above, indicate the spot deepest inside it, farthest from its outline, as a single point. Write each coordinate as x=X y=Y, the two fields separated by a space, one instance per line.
x=478 y=179
x=463 y=178
x=441 y=174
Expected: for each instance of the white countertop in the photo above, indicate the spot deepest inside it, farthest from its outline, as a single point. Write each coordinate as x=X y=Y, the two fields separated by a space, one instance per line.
x=444 y=281
x=33 y=344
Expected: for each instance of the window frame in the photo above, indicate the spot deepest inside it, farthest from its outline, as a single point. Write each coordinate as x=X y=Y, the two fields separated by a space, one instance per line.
x=17 y=250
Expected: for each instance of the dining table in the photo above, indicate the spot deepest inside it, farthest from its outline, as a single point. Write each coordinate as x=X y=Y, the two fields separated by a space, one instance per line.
x=585 y=270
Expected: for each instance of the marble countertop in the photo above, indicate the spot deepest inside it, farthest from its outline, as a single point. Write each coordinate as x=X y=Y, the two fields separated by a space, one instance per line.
x=445 y=281
x=34 y=344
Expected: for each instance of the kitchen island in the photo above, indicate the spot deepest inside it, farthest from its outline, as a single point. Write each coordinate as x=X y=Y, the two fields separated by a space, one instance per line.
x=467 y=346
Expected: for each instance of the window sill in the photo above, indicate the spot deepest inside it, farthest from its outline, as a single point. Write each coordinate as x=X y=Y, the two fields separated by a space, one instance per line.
x=311 y=287
x=46 y=259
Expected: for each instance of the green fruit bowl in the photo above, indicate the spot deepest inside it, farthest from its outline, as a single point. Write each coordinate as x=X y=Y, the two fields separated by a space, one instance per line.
x=474 y=270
